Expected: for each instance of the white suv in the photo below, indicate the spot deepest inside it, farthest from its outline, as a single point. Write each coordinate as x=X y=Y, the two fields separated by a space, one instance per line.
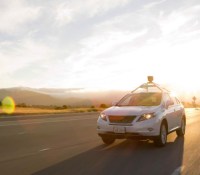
x=148 y=112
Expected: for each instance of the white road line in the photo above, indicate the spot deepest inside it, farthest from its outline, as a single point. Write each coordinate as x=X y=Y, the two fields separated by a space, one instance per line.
x=41 y=122
x=21 y=133
x=57 y=114
x=178 y=170
x=45 y=149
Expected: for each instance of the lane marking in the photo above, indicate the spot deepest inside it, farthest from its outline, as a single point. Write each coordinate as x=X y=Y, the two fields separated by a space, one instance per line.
x=50 y=120
x=2 y=124
x=45 y=149
x=56 y=114
x=13 y=123
x=21 y=133
x=178 y=170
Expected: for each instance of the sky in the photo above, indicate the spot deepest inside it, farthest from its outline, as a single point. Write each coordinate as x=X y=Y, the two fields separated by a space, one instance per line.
x=99 y=44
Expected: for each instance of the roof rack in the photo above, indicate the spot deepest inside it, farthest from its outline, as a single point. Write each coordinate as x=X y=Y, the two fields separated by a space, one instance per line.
x=150 y=84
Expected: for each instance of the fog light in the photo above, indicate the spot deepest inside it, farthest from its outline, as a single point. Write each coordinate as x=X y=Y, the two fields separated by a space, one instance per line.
x=150 y=129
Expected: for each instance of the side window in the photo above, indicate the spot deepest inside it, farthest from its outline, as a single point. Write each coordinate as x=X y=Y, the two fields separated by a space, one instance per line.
x=177 y=100
x=173 y=99
x=168 y=98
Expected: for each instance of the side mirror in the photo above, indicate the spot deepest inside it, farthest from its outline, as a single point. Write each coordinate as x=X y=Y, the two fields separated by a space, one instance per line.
x=114 y=103
x=169 y=103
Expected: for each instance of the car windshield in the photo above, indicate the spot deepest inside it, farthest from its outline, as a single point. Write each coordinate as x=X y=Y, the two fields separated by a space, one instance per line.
x=141 y=99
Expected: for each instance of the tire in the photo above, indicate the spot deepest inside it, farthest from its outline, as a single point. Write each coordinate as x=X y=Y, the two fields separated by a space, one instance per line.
x=181 y=131
x=108 y=140
x=161 y=140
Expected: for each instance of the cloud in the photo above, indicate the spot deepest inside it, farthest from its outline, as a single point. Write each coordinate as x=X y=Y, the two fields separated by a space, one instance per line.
x=70 y=11
x=153 y=4
x=16 y=13
x=96 y=44
x=138 y=42
x=19 y=54
x=109 y=41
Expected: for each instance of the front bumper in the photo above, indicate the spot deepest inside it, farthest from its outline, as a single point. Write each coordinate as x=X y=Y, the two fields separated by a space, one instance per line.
x=134 y=136
x=149 y=128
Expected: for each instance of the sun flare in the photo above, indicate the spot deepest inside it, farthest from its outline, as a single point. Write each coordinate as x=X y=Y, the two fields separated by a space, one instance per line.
x=8 y=105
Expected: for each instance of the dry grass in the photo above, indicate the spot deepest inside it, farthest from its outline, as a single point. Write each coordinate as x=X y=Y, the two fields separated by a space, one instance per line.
x=29 y=110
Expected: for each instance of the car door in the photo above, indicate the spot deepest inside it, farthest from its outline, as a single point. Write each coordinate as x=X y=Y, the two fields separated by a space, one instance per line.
x=177 y=109
x=170 y=113
x=179 y=112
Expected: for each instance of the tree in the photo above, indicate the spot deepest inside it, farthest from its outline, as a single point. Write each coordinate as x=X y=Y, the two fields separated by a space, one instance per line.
x=103 y=106
x=23 y=105
x=65 y=107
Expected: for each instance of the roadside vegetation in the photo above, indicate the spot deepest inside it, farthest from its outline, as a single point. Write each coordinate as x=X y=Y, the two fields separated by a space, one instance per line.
x=24 y=109
x=191 y=105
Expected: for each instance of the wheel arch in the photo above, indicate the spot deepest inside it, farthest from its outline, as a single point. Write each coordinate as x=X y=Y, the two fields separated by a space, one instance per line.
x=184 y=117
x=164 y=121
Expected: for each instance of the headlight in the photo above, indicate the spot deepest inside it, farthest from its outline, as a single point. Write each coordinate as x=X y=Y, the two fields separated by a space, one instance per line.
x=146 y=117
x=103 y=116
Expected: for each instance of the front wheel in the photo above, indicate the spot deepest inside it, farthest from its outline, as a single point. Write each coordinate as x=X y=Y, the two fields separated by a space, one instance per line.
x=181 y=130
x=107 y=140
x=161 y=140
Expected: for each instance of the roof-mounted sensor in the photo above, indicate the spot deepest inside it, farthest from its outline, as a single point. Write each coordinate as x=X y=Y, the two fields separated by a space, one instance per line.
x=150 y=79
x=150 y=86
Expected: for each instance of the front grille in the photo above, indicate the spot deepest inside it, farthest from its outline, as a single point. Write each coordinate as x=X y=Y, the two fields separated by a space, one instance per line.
x=121 y=119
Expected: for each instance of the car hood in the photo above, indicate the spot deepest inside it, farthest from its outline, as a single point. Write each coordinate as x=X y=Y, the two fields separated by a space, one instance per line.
x=130 y=110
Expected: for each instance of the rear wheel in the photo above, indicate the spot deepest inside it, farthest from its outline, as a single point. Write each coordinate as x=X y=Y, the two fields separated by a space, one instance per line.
x=108 y=140
x=181 y=130
x=161 y=140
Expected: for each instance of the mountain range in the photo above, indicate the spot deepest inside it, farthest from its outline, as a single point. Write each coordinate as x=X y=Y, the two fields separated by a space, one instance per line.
x=69 y=97
x=59 y=97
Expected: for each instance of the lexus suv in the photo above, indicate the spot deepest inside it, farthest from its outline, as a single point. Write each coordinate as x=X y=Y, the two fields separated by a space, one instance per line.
x=149 y=112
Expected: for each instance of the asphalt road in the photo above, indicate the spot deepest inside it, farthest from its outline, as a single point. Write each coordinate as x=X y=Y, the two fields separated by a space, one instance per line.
x=69 y=145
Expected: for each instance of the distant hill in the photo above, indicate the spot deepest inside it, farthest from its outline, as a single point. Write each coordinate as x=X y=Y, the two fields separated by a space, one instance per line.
x=69 y=97
x=36 y=97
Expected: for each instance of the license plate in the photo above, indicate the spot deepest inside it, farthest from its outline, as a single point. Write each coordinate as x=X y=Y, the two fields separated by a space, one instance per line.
x=119 y=129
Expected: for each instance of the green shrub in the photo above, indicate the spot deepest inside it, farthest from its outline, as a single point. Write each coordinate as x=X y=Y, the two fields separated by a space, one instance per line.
x=103 y=105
